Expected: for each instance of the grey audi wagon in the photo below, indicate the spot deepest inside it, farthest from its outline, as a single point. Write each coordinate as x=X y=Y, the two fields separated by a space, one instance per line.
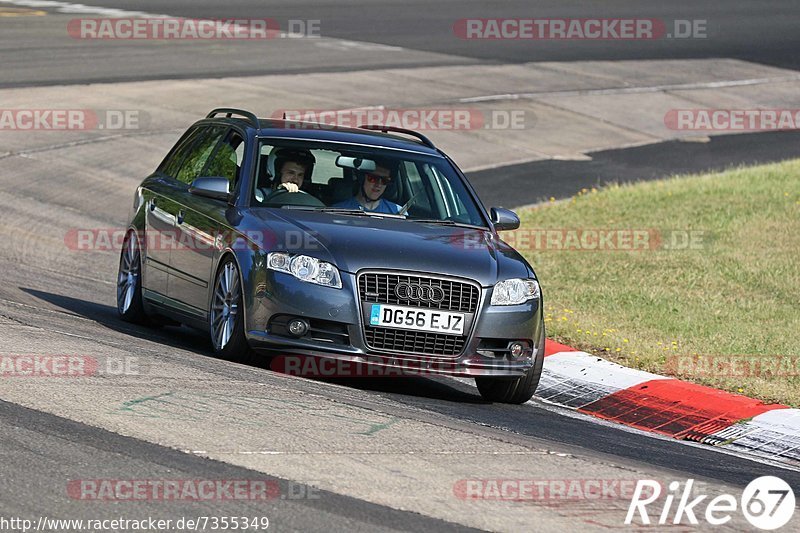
x=366 y=245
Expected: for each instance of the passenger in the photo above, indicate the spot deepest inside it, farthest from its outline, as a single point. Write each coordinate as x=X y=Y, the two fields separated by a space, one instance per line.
x=294 y=168
x=372 y=185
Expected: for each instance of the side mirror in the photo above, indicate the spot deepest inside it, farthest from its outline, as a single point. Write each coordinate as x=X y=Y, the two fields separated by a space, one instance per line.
x=504 y=219
x=215 y=187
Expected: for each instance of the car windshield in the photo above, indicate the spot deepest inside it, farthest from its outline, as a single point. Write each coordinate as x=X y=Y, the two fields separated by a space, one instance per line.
x=342 y=178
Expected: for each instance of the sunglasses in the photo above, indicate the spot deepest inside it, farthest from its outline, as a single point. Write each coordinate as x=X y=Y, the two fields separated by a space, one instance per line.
x=384 y=180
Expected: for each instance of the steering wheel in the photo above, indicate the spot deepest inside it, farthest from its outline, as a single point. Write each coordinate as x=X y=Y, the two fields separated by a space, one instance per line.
x=280 y=197
x=281 y=191
x=264 y=194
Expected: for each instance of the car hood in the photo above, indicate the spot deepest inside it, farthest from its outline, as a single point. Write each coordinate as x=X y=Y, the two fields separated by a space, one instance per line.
x=354 y=243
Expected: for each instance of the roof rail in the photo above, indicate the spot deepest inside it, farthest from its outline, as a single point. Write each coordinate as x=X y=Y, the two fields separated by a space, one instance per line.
x=230 y=111
x=386 y=129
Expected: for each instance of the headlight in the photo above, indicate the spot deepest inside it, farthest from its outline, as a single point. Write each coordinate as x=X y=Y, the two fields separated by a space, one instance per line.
x=305 y=268
x=515 y=291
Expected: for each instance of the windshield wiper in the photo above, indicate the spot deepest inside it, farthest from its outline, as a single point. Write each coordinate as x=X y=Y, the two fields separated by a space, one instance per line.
x=343 y=211
x=447 y=222
x=435 y=221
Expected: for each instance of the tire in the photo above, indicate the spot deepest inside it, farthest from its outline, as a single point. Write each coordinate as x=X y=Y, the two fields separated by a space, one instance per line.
x=516 y=391
x=226 y=316
x=129 y=282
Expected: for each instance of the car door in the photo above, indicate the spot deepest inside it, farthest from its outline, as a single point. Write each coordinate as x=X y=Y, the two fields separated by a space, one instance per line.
x=159 y=223
x=198 y=223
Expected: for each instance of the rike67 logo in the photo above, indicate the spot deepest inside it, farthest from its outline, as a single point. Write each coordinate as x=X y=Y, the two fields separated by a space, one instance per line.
x=767 y=503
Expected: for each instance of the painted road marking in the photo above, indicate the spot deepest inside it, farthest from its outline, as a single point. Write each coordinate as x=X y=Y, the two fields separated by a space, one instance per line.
x=20 y=12
x=725 y=84
x=250 y=411
x=81 y=9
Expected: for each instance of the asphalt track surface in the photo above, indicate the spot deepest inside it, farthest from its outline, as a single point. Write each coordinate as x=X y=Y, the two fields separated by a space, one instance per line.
x=561 y=179
x=37 y=448
x=64 y=447
x=762 y=32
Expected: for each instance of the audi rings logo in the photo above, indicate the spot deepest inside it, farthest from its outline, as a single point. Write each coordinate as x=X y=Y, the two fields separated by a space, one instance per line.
x=419 y=293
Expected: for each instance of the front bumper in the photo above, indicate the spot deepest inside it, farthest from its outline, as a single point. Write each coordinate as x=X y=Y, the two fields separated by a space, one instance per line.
x=339 y=309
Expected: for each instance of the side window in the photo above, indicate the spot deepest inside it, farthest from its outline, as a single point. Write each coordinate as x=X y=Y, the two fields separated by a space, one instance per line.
x=421 y=205
x=448 y=197
x=173 y=162
x=198 y=156
x=449 y=200
x=226 y=161
x=325 y=167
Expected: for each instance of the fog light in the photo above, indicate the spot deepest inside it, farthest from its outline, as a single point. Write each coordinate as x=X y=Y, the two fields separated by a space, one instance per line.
x=516 y=349
x=298 y=327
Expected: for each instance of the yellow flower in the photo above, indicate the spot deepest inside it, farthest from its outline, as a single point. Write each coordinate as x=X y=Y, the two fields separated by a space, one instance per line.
x=624 y=340
x=552 y=199
x=618 y=350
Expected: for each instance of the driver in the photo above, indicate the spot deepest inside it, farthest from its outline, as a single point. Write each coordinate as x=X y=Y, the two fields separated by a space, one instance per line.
x=372 y=185
x=294 y=168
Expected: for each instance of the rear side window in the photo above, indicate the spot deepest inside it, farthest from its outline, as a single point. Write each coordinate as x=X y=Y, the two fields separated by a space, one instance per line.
x=173 y=163
x=197 y=157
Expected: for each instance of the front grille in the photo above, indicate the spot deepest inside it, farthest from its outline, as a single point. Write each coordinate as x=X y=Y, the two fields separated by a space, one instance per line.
x=378 y=287
x=417 y=342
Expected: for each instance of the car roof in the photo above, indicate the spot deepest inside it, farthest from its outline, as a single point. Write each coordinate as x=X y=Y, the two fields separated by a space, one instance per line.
x=324 y=132
x=393 y=138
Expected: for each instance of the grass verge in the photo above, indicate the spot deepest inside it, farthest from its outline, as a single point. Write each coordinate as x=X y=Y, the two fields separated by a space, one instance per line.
x=705 y=287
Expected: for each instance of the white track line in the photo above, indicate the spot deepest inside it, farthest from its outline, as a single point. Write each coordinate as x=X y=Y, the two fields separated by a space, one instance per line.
x=633 y=90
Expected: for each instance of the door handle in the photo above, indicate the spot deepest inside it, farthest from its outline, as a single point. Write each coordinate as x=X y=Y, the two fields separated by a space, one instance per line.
x=180 y=216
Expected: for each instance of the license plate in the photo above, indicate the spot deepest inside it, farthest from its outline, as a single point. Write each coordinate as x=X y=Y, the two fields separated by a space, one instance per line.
x=394 y=316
